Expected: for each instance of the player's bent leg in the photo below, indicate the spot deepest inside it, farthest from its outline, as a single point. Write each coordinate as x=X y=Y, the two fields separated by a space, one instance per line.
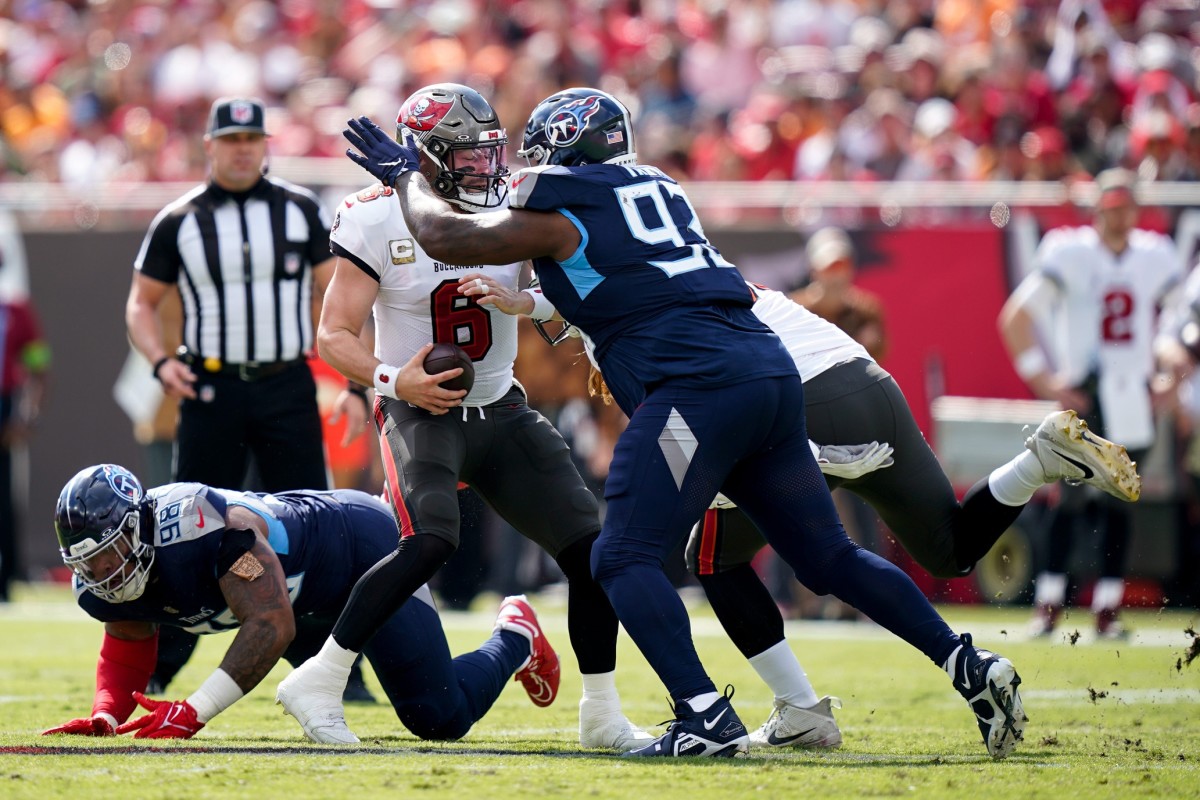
x=436 y=697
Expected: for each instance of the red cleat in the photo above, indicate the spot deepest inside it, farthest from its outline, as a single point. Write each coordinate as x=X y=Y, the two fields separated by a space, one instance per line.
x=541 y=673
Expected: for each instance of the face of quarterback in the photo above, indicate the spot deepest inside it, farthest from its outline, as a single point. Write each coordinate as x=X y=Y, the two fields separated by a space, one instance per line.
x=236 y=160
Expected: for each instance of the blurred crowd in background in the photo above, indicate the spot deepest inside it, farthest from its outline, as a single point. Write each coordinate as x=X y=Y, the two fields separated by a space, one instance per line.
x=116 y=90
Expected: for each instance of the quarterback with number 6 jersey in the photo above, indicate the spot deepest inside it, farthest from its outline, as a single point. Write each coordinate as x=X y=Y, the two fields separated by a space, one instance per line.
x=431 y=437
x=279 y=567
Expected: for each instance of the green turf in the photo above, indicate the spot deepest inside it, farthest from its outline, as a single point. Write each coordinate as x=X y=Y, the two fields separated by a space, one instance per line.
x=1107 y=720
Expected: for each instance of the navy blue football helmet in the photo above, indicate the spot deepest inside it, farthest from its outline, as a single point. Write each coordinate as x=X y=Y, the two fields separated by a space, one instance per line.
x=579 y=126
x=100 y=510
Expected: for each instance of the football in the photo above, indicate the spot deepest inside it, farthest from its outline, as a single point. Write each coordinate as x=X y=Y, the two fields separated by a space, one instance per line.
x=446 y=356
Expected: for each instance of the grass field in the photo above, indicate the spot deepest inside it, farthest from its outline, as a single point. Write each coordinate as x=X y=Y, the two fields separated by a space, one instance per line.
x=1106 y=720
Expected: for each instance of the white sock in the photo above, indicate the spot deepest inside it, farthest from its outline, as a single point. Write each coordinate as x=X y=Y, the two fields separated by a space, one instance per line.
x=780 y=670
x=1014 y=483
x=702 y=702
x=600 y=684
x=337 y=657
x=1108 y=594
x=1050 y=589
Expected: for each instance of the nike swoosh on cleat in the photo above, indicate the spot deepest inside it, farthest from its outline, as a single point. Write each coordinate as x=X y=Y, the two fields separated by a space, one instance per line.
x=708 y=726
x=778 y=740
x=1087 y=472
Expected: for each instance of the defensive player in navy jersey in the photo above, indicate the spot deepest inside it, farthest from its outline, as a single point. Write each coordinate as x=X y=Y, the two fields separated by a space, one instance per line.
x=714 y=401
x=209 y=560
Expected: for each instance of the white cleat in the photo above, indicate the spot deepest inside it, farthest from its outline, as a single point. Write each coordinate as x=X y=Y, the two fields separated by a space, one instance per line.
x=1068 y=451
x=794 y=726
x=602 y=725
x=312 y=694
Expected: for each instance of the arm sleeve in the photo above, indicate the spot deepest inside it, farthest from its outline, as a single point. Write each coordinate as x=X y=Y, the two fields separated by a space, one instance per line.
x=125 y=667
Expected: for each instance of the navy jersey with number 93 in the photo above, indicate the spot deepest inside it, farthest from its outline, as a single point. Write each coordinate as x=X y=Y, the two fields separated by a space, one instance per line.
x=658 y=301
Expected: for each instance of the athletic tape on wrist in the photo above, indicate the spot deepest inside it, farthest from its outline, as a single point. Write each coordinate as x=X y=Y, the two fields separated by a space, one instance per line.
x=215 y=695
x=385 y=380
x=543 y=309
x=1031 y=363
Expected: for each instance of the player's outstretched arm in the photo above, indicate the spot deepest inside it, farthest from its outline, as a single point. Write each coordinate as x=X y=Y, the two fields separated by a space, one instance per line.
x=499 y=237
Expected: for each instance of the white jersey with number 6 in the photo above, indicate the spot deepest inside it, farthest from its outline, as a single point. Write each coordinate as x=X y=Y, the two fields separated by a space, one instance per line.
x=418 y=298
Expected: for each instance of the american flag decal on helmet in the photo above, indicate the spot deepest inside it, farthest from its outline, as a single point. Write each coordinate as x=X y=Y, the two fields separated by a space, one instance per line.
x=615 y=137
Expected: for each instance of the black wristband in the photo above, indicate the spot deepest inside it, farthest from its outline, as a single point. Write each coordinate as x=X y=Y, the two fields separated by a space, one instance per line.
x=358 y=389
x=158 y=365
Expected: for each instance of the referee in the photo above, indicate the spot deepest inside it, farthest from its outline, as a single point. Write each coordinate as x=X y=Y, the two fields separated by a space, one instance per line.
x=247 y=253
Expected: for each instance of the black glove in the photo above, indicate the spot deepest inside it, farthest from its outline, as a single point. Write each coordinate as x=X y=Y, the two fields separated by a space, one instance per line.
x=382 y=156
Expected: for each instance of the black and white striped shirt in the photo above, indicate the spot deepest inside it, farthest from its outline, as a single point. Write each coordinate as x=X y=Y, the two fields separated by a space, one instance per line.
x=243 y=262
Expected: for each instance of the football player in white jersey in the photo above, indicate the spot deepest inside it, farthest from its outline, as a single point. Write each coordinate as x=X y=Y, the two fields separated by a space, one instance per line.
x=1097 y=290
x=432 y=438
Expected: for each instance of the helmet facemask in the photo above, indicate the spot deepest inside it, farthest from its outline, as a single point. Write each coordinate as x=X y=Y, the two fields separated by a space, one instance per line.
x=124 y=544
x=470 y=175
x=459 y=133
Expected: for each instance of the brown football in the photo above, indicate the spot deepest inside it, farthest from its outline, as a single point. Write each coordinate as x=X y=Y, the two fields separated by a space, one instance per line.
x=445 y=356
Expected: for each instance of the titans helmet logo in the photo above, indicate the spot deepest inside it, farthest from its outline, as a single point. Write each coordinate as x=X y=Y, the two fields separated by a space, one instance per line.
x=123 y=483
x=565 y=126
x=423 y=113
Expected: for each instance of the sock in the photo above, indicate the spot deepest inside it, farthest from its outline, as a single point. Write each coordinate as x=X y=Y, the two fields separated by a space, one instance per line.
x=702 y=702
x=1050 y=589
x=600 y=684
x=780 y=669
x=337 y=657
x=1108 y=594
x=483 y=673
x=1014 y=483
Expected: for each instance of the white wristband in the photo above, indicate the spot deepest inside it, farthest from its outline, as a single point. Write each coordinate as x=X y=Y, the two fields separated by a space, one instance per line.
x=215 y=695
x=107 y=717
x=385 y=380
x=543 y=309
x=1031 y=363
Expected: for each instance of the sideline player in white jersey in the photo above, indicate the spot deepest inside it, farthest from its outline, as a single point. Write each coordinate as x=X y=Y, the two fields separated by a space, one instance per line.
x=432 y=438
x=1098 y=289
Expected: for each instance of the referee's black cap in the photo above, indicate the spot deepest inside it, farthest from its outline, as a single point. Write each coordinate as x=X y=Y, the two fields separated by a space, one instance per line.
x=237 y=115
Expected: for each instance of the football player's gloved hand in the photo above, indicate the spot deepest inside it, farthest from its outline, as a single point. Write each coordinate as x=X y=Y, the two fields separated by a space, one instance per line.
x=382 y=156
x=167 y=720
x=852 y=461
x=99 y=725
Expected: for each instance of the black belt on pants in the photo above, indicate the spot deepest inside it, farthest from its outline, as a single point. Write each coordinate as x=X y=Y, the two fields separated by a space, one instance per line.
x=249 y=371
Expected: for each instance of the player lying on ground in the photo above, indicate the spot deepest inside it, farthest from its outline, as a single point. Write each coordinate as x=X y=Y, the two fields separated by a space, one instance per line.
x=210 y=560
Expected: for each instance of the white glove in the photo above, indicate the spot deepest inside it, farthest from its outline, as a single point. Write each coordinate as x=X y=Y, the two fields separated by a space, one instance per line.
x=850 y=461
